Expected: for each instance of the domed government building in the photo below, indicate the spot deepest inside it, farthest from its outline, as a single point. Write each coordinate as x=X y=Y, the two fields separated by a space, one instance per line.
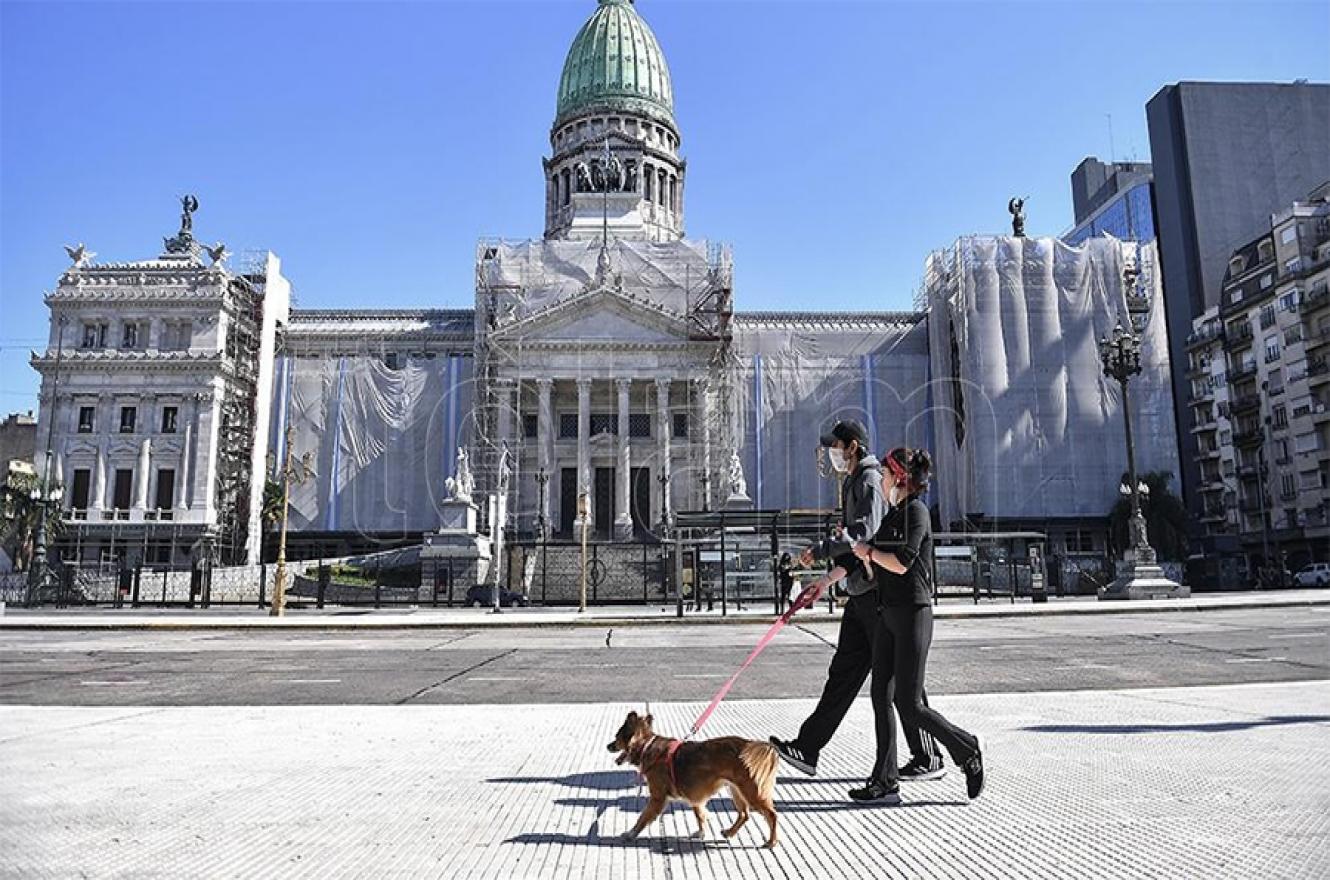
x=612 y=358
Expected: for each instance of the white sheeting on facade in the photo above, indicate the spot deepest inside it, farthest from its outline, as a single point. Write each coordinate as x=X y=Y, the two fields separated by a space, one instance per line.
x=545 y=271
x=1030 y=426
x=381 y=441
x=797 y=376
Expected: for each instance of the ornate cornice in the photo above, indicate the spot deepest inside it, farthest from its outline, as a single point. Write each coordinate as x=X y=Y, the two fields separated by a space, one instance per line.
x=829 y=320
x=112 y=360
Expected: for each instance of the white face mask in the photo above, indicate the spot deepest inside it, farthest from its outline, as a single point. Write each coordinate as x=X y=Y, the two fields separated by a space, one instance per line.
x=894 y=495
x=837 y=457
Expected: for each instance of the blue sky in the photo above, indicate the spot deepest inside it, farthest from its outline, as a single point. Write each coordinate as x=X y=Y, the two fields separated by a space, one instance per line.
x=370 y=144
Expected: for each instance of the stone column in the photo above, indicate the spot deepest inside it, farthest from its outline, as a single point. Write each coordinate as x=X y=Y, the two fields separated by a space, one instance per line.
x=141 y=483
x=205 y=460
x=545 y=439
x=584 y=480
x=182 y=475
x=664 y=428
x=623 y=518
x=504 y=397
x=99 y=479
x=703 y=429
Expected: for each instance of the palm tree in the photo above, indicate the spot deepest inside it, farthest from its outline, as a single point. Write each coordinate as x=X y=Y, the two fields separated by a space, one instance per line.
x=20 y=514
x=1165 y=517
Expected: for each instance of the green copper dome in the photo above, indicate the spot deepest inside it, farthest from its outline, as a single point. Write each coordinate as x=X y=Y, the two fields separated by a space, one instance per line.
x=615 y=61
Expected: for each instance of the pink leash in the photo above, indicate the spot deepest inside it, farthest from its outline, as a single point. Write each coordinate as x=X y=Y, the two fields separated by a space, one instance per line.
x=805 y=599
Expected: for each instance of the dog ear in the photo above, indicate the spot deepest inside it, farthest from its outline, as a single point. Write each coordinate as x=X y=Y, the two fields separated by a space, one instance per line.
x=648 y=719
x=632 y=716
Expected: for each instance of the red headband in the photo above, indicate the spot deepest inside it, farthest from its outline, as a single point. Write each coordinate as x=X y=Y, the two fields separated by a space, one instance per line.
x=897 y=469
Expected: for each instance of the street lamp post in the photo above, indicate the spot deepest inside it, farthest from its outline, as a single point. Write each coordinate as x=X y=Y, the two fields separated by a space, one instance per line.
x=542 y=479
x=292 y=472
x=664 y=479
x=584 y=515
x=1140 y=576
x=39 y=572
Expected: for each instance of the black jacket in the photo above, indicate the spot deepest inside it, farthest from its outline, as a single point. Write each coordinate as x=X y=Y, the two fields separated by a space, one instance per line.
x=907 y=531
x=862 y=506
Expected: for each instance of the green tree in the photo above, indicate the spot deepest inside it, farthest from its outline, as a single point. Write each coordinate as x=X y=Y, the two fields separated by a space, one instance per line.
x=272 y=503
x=19 y=516
x=1165 y=517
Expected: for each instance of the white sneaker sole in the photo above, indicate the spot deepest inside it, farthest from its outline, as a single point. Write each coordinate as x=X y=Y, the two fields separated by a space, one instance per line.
x=925 y=777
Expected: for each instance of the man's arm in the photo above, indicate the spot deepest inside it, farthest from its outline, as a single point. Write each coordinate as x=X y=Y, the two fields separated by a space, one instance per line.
x=866 y=517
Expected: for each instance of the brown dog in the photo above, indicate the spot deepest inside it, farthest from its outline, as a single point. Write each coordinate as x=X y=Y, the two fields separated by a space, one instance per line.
x=695 y=771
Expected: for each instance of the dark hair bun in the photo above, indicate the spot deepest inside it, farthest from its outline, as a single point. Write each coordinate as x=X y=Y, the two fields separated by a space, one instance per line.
x=921 y=466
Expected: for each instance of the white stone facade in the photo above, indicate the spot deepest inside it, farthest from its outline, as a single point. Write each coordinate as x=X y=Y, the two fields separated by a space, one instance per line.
x=164 y=371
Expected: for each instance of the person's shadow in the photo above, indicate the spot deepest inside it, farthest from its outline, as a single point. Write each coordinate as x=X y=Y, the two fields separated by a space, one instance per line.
x=1195 y=727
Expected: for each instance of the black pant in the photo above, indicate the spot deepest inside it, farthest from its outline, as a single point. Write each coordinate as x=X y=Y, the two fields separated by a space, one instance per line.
x=860 y=649
x=907 y=633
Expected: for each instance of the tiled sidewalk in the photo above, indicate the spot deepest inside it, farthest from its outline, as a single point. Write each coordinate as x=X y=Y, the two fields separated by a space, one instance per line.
x=1186 y=782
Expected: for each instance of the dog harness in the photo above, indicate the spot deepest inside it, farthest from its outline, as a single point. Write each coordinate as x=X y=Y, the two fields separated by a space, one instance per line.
x=668 y=758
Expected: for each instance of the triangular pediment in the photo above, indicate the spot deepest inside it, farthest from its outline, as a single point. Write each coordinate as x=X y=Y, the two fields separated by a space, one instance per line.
x=599 y=315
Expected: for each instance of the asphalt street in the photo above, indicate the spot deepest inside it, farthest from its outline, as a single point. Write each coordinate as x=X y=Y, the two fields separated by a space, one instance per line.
x=644 y=662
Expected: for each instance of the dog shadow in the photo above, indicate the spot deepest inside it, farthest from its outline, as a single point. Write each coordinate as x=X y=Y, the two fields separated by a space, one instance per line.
x=661 y=845
x=596 y=780
x=635 y=804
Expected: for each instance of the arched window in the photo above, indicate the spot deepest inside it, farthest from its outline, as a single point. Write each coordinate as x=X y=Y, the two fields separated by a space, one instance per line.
x=674 y=193
x=567 y=186
x=660 y=192
x=647 y=174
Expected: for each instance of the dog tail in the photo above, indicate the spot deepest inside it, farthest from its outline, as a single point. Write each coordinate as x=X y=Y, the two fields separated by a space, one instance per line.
x=762 y=762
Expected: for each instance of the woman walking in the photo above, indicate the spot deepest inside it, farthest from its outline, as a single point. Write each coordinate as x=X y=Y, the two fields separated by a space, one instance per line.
x=901 y=553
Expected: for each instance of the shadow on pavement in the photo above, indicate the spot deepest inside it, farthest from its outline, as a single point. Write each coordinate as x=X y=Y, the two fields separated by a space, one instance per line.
x=600 y=780
x=635 y=804
x=1207 y=727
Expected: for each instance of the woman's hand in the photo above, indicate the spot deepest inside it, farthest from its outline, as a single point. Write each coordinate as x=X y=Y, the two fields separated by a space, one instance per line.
x=806 y=558
x=862 y=550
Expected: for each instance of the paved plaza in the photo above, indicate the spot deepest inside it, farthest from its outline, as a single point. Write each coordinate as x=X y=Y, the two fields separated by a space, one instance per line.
x=1228 y=781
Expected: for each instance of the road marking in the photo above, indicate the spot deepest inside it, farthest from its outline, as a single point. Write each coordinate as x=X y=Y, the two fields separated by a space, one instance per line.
x=1256 y=660
x=1315 y=635
x=312 y=680
x=106 y=683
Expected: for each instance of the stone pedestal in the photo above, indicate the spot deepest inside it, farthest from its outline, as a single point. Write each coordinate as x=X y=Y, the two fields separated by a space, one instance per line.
x=738 y=502
x=1143 y=579
x=454 y=548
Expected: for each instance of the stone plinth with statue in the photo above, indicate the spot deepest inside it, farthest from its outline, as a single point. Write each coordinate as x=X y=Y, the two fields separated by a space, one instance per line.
x=455 y=552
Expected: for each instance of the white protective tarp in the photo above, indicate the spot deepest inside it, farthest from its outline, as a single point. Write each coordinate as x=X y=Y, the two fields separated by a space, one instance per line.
x=532 y=275
x=381 y=440
x=797 y=376
x=1026 y=424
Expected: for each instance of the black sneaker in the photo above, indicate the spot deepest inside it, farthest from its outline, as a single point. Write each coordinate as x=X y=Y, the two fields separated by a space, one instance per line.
x=796 y=757
x=920 y=770
x=877 y=792
x=974 y=772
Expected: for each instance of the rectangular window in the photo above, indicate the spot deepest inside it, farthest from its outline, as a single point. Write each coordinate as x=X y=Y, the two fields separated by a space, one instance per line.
x=530 y=426
x=1286 y=484
x=1281 y=449
x=1271 y=349
x=1293 y=334
x=165 y=488
x=639 y=425
x=124 y=484
x=1266 y=281
x=130 y=336
x=567 y=426
x=94 y=335
x=1305 y=443
x=168 y=419
x=604 y=423
x=1267 y=315
x=128 y=416
x=1080 y=541
x=1289 y=301
x=1288 y=234
x=1280 y=416
x=78 y=498
x=1293 y=265
x=86 y=414
x=681 y=426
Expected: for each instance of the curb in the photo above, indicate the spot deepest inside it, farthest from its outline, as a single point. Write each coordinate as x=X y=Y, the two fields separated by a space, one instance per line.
x=519 y=620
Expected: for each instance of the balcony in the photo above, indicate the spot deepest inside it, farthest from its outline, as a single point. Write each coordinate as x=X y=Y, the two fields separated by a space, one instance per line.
x=1202 y=395
x=1317 y=372
x=1198 y=371
x=1252 y=506
x=1245 y=439
x=1204 y=423
x=1241 y=374
x=1205 y=454
x=1204 y=336
x=1314 y=339
x=1239 y=336
x=1245 y=404
x=1214 y=513
x=1318 y=299
x=1249 y=471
